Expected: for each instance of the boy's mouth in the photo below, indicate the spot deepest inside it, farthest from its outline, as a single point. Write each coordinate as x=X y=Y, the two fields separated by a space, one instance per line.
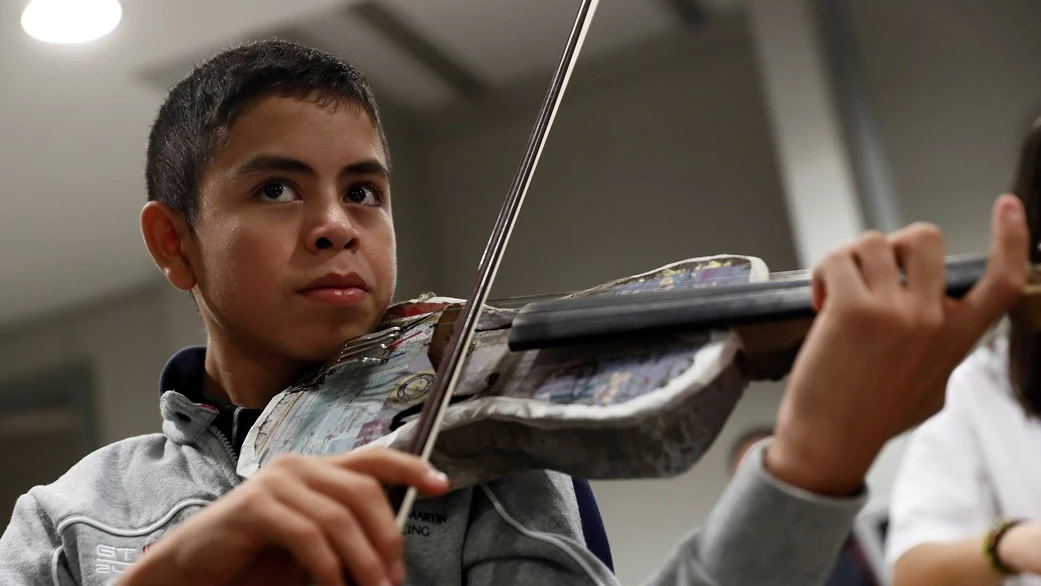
x=340 y=289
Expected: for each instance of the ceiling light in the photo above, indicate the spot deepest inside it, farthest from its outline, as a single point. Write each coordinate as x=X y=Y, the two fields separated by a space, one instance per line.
x=71 y=21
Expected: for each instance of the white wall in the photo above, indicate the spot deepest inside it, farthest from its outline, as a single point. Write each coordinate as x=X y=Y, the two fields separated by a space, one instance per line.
x=416 y=266
x=124 y=339
x=954 y=84
x=816 y=172
x=671 y=159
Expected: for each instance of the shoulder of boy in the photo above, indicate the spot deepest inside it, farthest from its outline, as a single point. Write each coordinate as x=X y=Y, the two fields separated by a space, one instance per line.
x=116 y=502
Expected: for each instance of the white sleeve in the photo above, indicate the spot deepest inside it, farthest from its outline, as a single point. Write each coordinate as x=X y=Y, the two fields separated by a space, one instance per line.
x=940 y=493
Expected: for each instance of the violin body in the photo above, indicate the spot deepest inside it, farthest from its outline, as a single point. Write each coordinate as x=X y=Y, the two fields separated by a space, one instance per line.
x=645 y=408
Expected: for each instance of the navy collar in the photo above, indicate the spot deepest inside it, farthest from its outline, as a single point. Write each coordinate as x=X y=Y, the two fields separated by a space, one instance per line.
x=185 y=372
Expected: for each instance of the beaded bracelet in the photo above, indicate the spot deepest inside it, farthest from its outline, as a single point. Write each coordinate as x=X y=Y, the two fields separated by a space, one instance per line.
x=991 y=542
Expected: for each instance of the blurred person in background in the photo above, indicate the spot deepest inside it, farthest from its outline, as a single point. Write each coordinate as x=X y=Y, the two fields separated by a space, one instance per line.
x=966 y=504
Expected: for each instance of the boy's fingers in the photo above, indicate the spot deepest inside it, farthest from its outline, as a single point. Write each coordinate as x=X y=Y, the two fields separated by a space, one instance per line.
x=282 y=525
x=837 y=277
x=368 y=503
x=392 y=467
x=1003 y=281
x=340 y=528
x=919 y=251
x=877 y=264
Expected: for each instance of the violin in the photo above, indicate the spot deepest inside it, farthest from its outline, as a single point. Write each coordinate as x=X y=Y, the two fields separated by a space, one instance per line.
x=630 y=379
x=633 y=378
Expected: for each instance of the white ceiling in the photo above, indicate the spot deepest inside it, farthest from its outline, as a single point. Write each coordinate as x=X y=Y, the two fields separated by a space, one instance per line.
x=74 y=119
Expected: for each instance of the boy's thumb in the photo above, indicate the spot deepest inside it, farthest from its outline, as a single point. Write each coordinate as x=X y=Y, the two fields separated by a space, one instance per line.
x=1005 y=277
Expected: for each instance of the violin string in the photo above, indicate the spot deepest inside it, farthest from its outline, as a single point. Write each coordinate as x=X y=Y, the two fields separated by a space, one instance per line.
x=781 y=276
x=778 y=277
x=775 y=277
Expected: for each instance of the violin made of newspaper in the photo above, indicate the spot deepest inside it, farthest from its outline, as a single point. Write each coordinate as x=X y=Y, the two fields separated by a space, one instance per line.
x=632 y=379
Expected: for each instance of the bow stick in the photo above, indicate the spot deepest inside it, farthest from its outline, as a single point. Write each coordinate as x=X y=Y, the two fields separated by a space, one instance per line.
x=447 y=373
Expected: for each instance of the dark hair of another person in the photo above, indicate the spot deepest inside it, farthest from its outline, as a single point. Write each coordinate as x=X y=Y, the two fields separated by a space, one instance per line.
x=1025 y=344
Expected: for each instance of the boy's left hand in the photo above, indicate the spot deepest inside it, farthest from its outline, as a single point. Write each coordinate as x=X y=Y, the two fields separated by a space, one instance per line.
x=877 y=359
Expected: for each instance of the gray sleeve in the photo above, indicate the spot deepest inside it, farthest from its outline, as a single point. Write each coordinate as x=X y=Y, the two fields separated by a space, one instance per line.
x=762 y=531
x=30 y=550
x=525 y=529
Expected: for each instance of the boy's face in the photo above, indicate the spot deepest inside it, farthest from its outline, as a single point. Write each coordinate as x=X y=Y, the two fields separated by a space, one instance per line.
x=293 y=251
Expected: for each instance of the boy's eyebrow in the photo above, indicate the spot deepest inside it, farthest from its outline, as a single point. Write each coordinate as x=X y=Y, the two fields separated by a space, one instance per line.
x=369 y=167
x=291 y=165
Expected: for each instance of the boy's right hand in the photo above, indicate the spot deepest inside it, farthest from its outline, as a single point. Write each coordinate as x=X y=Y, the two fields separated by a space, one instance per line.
x=328 y=514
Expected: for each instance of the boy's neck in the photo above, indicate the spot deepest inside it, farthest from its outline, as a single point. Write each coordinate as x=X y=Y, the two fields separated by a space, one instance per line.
x=244 y=378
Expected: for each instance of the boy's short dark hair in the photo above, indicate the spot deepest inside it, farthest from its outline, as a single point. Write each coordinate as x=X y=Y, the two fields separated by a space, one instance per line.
x=199 y=110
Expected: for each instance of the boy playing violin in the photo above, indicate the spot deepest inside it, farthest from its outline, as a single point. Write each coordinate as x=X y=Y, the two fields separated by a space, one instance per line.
x=269 y=199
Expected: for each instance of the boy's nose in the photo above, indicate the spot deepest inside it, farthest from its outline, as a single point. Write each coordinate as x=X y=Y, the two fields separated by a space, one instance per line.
x=324 y=243
x=334 y=232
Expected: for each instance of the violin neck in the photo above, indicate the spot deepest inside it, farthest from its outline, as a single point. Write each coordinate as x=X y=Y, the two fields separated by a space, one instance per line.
x=722 y=306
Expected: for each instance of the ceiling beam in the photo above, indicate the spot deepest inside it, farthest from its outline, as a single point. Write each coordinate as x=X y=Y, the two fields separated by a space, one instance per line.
x=726 y=38
x=416 y=45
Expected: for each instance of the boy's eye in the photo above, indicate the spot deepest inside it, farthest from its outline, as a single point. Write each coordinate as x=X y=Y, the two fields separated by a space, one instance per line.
x=363 y=194
x=277 y=191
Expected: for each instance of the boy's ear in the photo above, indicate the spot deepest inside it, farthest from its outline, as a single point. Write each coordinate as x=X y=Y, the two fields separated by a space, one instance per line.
x=165 y=232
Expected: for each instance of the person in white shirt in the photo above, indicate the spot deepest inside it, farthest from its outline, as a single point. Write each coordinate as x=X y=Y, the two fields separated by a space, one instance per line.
x=965 y=508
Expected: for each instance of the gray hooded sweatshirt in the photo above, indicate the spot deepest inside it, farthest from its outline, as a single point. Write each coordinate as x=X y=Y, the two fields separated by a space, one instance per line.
x=92 y=523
